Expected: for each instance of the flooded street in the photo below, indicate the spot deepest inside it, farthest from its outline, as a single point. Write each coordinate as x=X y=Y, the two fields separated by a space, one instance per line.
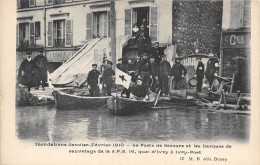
x=180 y=122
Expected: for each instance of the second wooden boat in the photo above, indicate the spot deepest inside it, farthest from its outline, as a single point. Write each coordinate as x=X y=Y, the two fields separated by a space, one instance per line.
x=64 y=100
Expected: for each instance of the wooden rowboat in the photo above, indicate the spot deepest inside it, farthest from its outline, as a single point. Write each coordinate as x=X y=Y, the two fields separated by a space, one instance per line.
x=64 y=100
x=125 y=106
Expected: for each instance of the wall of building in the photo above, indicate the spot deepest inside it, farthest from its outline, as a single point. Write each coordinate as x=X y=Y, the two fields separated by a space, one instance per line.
x=197 y=22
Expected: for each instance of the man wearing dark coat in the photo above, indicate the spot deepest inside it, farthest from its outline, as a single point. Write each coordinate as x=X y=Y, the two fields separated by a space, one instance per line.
x=92 y=81
x=164 y=74
x=156 y=53
x=140 y=90
x=154 y=73
x=26 y=72
x=212 y=69
x=145 y=69
x=144 y=40
x=178 y=72
x=108 y=79
x=199 y=74
x=41 y=63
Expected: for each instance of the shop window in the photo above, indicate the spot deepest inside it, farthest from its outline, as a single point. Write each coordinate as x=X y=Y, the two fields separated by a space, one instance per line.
x=135 y=16
x=37 y=30
x=59 y=33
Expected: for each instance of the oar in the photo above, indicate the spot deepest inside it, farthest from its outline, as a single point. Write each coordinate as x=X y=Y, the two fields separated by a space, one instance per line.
x=157 y=98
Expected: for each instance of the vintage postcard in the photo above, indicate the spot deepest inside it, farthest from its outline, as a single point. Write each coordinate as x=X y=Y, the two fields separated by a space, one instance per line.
x=129 y=82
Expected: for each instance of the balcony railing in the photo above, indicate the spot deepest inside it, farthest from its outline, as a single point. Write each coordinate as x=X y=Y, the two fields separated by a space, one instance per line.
x=24 y=43
x=59 y=42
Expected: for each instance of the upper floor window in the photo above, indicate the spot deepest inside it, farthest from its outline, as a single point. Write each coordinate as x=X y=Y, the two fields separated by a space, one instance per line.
x=59 y=33
x=25 y=35
x=58 y=1
x=21 y=4
x=98 y=24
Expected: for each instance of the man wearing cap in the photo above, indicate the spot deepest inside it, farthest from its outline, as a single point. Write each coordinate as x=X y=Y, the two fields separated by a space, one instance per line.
x=26 y=72
x=199 y=74
x=212 y=68
x=164 y=74
x=156 y=53
x=145 y=69
x=178 y=72
x=144 y=40
x=140 y=91
x=108 y=79
x=92 y=81
x=41 y=63
x=119 y=65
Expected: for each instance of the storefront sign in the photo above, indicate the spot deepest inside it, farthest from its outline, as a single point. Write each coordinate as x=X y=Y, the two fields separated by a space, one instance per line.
x=59 y=56
x=236 y=40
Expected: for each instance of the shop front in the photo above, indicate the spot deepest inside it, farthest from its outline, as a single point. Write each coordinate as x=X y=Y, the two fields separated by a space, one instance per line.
x=236 y=58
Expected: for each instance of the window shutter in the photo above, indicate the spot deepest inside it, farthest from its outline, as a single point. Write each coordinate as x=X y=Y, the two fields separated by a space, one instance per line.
x=108 y=23
x=17 y=35
x=105 y=24
x=154 y=23
x=49 y=1
x=31 y=3
x=18 y=4
x=68 y=33
x=128 y=22
x=89 y=26
x=50 y=34
x=32 y=34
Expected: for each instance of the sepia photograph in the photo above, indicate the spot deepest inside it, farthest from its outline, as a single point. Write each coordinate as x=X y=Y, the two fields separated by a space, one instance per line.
x=133 y=73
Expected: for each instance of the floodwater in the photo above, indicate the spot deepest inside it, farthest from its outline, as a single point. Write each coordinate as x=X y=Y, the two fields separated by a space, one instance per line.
x=177 y=123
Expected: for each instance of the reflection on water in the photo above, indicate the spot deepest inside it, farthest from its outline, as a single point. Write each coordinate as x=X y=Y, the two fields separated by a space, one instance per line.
x=41 y=123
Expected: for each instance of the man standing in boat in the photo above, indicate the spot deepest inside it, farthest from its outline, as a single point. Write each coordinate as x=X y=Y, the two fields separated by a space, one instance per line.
x=145 y=69
x=164 y=74
x=212 y=68
x=199 y=74
x=140 y=90
x=108 y=79
x=92 y=81
x=178 y=73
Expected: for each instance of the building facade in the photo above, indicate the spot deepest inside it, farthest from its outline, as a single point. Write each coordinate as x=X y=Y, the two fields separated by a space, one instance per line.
x=59 y=28
x=235 y=44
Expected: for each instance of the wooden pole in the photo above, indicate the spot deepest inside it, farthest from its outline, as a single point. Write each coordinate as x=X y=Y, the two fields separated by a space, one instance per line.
x=113 y=32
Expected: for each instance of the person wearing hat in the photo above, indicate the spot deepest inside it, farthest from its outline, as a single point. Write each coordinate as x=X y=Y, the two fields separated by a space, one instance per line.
x=178 y=72
x=145 y=69
x=212 y=68
x=199 y=74
x=144 y=40
x=164 y=74
x=26 y=72
x=119 y=65
x=108 y=79
x=140 y=90
x=156 y=53
x=41 y=63
x=92 y=81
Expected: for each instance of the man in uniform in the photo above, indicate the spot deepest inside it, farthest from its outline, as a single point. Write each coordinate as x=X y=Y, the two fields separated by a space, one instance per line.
x=212 y=68
x=145 y=69
x=140 y=90
x=156 y=53
x=199 y=74
x=164 y=74
x=92 y=81
x=144 y=40
x=178 y=72
x=108 y=79
x=26 y=72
